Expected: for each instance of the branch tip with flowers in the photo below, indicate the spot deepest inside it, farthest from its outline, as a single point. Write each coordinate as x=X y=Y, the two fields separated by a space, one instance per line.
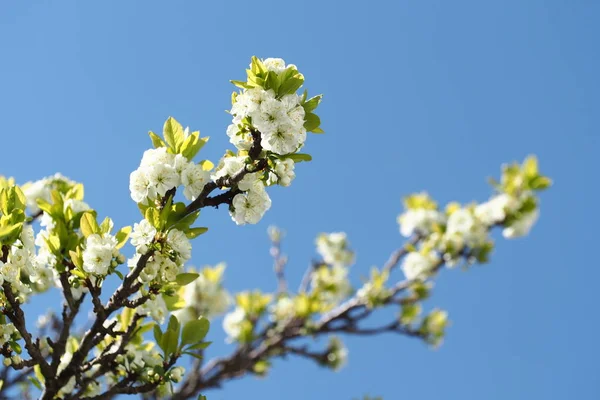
x=157 y=320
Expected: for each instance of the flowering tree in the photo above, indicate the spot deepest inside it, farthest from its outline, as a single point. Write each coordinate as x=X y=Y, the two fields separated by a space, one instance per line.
x=157 y=320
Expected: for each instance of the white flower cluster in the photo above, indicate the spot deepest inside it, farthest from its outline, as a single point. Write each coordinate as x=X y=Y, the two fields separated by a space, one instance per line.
x=100 y=254
x=143 y=359
x=280 y=121
x=205 y=296
x=283 y=309
x=251 y=205
x=421 y=215
x=163 y=266
x=335 y=249
x=6 y=333
x=160 y=171
x=331 y=283
x=498 y=207
x=283 y=173
x=338 y=354
x=416 y=264
x=331 y=279
x=42 y=188
x=22 y=262
x=155 y=308
x=232 y=323
x=447 y=235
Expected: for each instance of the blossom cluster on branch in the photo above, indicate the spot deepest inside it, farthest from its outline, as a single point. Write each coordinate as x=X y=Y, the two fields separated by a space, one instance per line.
x=148 y=336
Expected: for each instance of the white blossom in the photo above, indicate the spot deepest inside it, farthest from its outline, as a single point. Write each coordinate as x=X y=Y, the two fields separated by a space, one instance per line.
x=241 y=140
x=156 y=308
x=334 y=248
x=77 y=206
x=204 y=296
x=249 y=207
x=522 y=226
x=34 y=191
x=162 y=177
x=180 y=243
x=139 y=186
x=274 y=64
x=142 y=235
x=228 y=166
x=494 y=210
x=232 y=323
x=284 y=172
x=463 y=224
x=331 y=283
x=157 y=156
x=98 y=254
x=9 y=272
x=176 y=374
x=419 y=220
x=284 y=139
x=417 y=265
x=194 y=178
x=271 y=116
x=283 y=309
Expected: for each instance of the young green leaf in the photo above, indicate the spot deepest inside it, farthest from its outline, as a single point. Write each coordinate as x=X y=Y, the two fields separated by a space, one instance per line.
x=194 y=331
x=186 y=278
x=122 y=236
x=156 y=140
x=88 y=224
x=195 y=232
x=173 y=133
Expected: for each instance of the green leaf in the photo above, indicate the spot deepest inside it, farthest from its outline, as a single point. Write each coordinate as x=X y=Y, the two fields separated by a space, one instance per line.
x=173 y=133
x=540 y=183
x=106 y=225
x=169 y=342
x=312 y=103
x=186 y=278
x=272 y=81
x=158 y=336
x=299 y=157
x=192 y=145
x=153 y=216
x=76 y=192
x=311 y=122
x=16 y=347
x=122 y=236
x=4 y=207
x=20 y=199
x=199 y=346
x=76 y=259
x=174 y=325
x=291 y=85
x=119 y=274
x=88 y=224
x=35 y=383
x=195 y=232
x=530 y=166
x=44 y=206
x=7 y=231
x=184 y=223
x=156 y=140
x=318 y=130
x=194 y=331
x=198 y=356
x=241 y=85
x=78 y=273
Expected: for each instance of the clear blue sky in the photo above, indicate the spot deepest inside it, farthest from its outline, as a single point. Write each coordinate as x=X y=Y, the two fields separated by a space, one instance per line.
x=418 y=95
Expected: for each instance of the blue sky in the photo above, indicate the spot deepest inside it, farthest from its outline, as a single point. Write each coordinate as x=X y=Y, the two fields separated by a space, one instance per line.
x=431 y=95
